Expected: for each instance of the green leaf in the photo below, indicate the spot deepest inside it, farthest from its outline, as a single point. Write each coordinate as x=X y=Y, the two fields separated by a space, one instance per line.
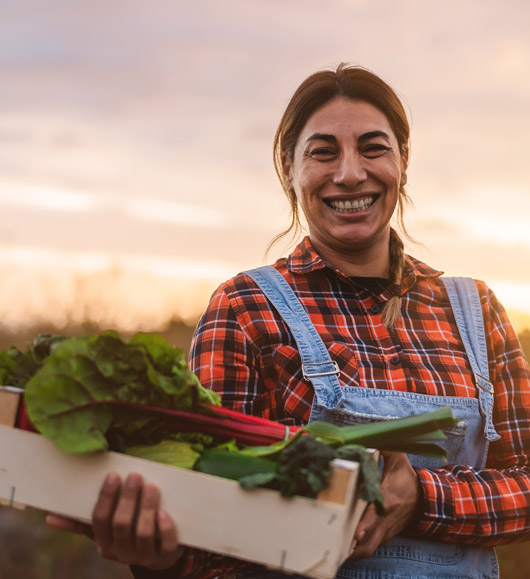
x=326 y=432
x=304 y=467
x=170 y=452
x=78 y=428
x=71 y=397
x=272 y=449
x=233 y=465
x=258 y=479
x=371 y=490
x=378 y=434
x=428 y=449
x=162 y=354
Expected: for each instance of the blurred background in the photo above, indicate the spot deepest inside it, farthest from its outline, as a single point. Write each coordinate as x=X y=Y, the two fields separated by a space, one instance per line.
x=136 y=165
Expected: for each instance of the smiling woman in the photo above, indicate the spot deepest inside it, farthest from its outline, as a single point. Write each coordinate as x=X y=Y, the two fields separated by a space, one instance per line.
x=387 y=341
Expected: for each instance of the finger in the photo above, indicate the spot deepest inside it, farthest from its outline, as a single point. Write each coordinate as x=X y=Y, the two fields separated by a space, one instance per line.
x=146 y=526
x=168 y=533
x=104 y=510
x=367 y=522
x=71 y=525
x=365 y=548
x=391 y=460
x=124 y=520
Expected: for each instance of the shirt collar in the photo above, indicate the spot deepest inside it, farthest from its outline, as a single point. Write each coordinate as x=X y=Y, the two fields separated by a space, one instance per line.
x=305 y=259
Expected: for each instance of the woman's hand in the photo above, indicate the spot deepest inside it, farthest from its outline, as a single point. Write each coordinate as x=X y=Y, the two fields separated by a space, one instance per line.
x=402 y=498
x=128 y=525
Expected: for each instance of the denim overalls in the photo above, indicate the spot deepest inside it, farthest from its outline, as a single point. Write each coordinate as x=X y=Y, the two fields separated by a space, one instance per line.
x=466 y=444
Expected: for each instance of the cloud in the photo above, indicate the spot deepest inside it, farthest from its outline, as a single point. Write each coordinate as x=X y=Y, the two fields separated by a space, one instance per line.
x=39 y=197
x=177 y=213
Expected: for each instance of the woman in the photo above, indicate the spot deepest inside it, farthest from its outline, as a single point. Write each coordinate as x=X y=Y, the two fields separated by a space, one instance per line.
x=341 y=152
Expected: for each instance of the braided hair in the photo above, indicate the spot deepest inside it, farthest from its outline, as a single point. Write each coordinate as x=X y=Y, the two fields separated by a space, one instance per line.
x=392 y=309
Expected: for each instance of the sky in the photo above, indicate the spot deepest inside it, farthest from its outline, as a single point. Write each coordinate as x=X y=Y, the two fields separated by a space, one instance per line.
x=136 y=137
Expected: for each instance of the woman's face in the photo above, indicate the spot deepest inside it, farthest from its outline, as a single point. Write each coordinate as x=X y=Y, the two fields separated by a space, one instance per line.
x=346 y=172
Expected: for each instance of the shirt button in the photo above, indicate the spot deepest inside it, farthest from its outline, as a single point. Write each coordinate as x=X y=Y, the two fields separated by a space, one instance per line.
x=375 y=309
x=394 y=360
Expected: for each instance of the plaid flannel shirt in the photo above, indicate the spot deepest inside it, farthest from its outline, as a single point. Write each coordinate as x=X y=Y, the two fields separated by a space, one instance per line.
x=243 y=350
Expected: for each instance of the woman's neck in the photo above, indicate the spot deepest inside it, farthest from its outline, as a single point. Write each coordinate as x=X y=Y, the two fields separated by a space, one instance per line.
x=363 y=262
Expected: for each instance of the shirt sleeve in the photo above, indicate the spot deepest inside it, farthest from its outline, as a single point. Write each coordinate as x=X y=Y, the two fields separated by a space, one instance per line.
x=489 y=506
x=223 y=357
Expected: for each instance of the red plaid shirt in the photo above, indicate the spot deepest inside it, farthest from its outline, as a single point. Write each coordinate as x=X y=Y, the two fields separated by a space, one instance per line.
x=243 y=350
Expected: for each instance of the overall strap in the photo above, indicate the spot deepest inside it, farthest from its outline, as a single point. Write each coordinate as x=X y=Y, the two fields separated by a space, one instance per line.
x=465 y=302
x=317 y=365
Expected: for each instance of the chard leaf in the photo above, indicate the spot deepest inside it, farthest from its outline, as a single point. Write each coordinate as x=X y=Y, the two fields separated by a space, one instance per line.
x=170 y=452
x=233 y=465
x=80 y=430
x=162 y=354
x=72 y=397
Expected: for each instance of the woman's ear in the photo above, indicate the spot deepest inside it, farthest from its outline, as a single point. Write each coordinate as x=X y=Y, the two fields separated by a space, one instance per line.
x=287 y=171
x=404 y=157
x=404 y=163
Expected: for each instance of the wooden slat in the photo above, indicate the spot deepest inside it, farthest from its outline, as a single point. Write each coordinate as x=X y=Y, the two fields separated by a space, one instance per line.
x=9 y=402
x=342 y=484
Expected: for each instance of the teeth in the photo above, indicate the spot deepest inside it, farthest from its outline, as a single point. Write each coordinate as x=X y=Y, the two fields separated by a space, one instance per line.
x=352 y=206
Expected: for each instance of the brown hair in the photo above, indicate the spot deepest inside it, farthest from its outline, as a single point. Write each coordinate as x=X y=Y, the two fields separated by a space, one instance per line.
x=356 y=83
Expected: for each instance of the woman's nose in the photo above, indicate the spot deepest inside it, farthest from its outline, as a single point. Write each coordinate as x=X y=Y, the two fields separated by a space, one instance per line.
x=349 y=170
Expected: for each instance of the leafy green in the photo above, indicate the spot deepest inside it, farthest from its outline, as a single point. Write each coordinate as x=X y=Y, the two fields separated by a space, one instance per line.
x=17 y=367
x=301 y=468
x=411 y=434
x=304 y=467
x=98 y=384
x=139 y=397
x=172 y=452
x=371 y=491
x=233 y=465
x=304 y=459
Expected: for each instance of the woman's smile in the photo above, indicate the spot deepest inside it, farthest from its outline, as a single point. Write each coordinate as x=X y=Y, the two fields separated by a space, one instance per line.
x=351 y=205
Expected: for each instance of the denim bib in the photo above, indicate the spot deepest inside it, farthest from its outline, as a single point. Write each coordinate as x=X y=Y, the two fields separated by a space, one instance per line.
x=466 y=443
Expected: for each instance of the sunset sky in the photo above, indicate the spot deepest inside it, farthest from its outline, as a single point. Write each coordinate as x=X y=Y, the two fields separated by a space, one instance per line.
x=136 y=143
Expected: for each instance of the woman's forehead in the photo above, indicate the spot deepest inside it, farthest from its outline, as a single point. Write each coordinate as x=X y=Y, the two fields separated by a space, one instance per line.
x=344 y=116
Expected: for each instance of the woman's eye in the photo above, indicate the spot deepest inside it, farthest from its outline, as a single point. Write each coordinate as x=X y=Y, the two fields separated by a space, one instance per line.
x=323 y=154
x=375 y=150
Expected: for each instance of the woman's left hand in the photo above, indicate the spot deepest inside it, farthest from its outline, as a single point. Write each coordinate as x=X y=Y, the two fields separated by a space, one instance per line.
x=402 y=498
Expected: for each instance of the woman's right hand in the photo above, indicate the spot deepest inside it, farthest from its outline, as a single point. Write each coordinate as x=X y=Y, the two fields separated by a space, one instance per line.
x=128 y=525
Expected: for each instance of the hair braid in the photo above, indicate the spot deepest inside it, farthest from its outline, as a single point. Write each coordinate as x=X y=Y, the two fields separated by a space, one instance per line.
x=392 y=309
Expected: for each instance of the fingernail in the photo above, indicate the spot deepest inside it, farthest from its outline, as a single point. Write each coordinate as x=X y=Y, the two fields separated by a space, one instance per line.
x=361 y=535
x=111 y=480
x=133 y=481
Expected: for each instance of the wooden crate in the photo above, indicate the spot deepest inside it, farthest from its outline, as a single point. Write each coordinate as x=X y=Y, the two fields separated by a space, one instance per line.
x=300 y=535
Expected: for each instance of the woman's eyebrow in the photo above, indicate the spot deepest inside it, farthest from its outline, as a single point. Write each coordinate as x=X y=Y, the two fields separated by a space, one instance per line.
x=373 y=134
x=321 y=137
x=332 y=139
